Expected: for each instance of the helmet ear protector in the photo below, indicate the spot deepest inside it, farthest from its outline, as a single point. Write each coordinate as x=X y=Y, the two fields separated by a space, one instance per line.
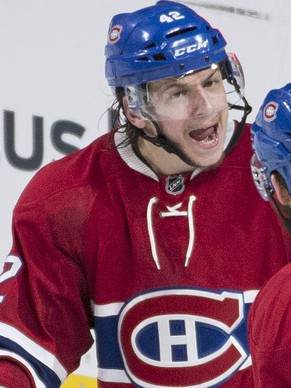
x=262 y=183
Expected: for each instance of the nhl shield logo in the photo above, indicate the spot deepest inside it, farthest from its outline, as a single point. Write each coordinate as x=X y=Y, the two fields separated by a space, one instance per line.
x=175 y=184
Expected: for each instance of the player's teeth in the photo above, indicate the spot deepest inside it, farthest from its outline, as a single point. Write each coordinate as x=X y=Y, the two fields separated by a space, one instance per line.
x=209 y=139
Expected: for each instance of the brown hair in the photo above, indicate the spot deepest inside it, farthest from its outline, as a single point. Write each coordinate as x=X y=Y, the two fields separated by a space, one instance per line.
x=120 y=122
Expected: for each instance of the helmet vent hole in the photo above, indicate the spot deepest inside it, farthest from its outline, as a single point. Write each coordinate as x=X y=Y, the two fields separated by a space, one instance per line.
x=151 y=45
x=214 y=40
x=159 y=57
x=181 y=32
x=143 y=59
x=156 y=57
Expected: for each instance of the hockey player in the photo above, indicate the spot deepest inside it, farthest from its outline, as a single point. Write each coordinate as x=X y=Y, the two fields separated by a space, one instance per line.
x=153 y=233
x=270 y=315
x=271 y=162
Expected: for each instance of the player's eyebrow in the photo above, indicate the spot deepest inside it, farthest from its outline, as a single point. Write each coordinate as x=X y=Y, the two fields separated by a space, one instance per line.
x=210 y=75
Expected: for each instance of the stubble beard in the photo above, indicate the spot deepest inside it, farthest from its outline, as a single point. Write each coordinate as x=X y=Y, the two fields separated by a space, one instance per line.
x=189 y=161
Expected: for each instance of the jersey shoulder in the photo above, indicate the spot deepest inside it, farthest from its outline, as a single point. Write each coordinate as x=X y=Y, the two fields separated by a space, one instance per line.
x=82 y=168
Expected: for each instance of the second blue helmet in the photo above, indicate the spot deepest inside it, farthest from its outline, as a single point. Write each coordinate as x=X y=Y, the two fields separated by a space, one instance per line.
x=271 y=137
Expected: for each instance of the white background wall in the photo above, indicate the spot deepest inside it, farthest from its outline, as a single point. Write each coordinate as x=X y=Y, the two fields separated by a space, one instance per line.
x=52 y=66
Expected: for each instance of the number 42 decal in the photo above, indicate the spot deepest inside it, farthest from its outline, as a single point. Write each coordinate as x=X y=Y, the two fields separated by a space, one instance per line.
x=8 y=269
x=171 y=17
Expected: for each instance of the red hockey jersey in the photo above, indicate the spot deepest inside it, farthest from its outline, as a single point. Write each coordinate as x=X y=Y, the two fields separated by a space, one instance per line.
x=270 y=334
x=164 y=268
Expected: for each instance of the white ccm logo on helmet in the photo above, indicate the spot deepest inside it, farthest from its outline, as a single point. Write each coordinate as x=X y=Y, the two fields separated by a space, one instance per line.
x=191 y=48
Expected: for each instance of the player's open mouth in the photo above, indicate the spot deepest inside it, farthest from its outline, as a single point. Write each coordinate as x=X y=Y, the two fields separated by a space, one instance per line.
x=205 y=136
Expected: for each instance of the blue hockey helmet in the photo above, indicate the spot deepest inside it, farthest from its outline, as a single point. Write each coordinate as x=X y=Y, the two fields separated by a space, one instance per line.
x=271 y=140
x=166 y=40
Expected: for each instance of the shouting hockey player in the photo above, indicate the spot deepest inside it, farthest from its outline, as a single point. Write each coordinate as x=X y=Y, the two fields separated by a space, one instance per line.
x=152 y=235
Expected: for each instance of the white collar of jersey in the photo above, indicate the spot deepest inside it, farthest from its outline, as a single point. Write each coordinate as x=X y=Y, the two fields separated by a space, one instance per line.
x=130 y=158
x=229 y=132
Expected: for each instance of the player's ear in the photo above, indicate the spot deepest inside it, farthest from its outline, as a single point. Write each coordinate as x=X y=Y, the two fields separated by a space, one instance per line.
x=135 y=119
x=281 y=191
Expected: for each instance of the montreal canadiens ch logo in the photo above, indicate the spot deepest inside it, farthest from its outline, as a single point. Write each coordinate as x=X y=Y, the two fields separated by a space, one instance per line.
x=270 y=111
x=181 y=338
x=114 y=34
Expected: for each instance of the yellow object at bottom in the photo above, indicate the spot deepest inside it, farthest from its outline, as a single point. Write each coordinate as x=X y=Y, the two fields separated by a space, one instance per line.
x=77 y=381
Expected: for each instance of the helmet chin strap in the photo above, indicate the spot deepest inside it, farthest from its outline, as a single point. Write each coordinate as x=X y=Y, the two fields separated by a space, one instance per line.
x=239 y=129
x=161 y=141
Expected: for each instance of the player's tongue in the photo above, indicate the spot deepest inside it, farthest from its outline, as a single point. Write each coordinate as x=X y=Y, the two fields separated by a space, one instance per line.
x=204 y=135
